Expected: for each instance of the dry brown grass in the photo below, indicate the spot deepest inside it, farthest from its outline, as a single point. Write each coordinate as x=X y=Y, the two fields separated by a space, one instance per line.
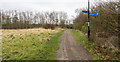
x=16 y=34
x=6 y=32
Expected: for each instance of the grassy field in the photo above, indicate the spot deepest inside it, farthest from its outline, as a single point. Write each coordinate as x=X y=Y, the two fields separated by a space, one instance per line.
x=30 y=44
x=97 y=53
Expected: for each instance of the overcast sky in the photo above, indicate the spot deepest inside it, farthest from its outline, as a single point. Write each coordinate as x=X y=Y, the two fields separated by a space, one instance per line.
x=68 y=6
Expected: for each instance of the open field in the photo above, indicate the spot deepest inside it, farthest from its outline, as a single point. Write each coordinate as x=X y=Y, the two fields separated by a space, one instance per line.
x=30 y=44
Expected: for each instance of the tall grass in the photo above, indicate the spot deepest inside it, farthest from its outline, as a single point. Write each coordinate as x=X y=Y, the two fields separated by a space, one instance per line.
x=31 y=46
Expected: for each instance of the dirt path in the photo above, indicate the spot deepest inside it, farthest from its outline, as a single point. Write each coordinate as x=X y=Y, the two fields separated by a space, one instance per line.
x=70 y=50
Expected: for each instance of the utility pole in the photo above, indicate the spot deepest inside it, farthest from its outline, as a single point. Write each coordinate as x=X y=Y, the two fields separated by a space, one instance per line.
x=88 y=20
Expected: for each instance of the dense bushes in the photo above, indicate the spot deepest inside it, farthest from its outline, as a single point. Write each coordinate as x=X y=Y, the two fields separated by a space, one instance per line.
x=80 y=20
x=62 y=24
x=20 y=26
x=49 y=26
x=104 y=26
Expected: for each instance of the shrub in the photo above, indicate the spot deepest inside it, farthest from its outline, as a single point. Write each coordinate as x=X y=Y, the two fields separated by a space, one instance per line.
x=85 y=28
x=49 y=26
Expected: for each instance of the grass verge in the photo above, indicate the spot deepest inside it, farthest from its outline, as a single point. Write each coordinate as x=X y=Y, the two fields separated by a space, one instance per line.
x=52 y=46
x=97 y=53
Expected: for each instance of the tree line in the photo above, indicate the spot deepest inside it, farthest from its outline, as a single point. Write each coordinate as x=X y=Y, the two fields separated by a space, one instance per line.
x=14 y=19
x=104 y=27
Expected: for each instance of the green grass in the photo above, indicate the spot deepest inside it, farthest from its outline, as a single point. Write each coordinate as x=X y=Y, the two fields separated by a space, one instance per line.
x=42 y=46
x=52 y=46
x=97 y=53
x=80 y=37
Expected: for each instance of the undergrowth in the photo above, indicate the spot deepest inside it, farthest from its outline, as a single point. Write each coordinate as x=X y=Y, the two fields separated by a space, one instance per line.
x=96 y=52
